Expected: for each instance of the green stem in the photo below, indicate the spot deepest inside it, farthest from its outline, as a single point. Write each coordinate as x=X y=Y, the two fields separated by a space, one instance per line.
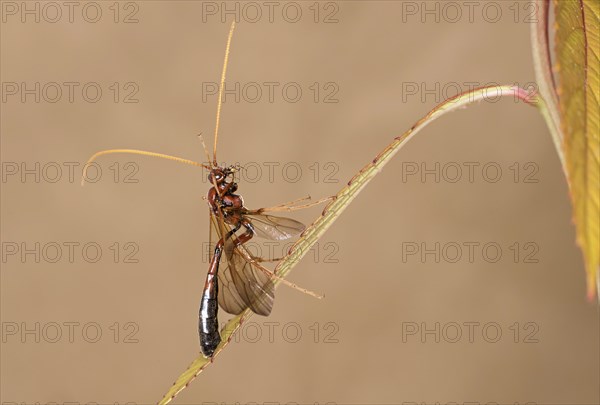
x=341 y=201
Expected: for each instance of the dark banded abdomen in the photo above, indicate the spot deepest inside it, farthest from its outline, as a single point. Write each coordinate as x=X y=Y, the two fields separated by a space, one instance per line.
x=208 y=323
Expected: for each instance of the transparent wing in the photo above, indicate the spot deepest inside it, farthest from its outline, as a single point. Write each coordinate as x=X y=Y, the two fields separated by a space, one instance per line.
x=277 y=228
x=241 y=284
x=252 y=284
x=229 y=299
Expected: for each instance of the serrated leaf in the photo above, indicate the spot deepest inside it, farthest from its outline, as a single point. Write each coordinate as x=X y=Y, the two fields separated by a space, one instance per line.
x=341 y=201
x=577 y=50
x=542 y=64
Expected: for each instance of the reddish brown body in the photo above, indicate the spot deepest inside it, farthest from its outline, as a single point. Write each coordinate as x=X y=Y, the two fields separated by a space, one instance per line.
x=221 y=199
x=245 y=284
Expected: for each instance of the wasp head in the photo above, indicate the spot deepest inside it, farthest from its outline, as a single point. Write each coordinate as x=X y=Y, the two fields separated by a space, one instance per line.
x=220 y=175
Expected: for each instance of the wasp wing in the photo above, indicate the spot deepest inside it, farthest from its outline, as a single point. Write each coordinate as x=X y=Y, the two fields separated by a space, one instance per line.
x=241 y=283
x=276 y=228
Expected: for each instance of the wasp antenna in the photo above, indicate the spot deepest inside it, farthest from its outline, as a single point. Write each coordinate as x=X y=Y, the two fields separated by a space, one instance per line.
x=137 y=152
x=223 y=73
x=204 y=147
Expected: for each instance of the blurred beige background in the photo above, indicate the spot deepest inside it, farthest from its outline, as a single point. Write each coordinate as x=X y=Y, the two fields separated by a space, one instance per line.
x=357 y=344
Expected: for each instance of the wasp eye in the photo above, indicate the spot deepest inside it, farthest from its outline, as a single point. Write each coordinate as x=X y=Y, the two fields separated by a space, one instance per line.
x=215 y=176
